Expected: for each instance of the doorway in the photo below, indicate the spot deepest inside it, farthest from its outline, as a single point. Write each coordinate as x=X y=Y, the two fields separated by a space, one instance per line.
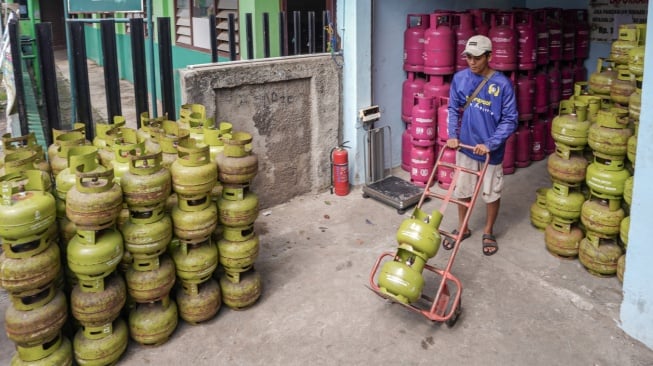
x=52 y=12
x=304 y=7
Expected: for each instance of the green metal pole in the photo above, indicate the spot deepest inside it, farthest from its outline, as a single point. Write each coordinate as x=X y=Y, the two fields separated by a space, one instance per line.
x=69 y=55
x=150 y=22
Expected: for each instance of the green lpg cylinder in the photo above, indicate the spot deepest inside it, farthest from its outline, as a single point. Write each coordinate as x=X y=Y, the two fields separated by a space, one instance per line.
x=601 y=80
x=238 y=256
x=399 y=279
x=237 y=206
x=567 y=165
x=571 y=125
x=147 y=241
x=169 y=137
x=194 y=262
x=602 y=216
x=125 y=147
x=19 y=161
x=635 y=101
x=562 y=238
x=34 y=327
x=236 y=163
x=419 y=233
x=152 y=324
x=19 y=274
x=58 y=352
x=631 y=151
x=539 y=214
x=147 y=183
x=152 y=285
x=102 y=351
x=53 y=149
x=213 y=136
x=27 y=208
x=607 y=138
x=64 y=142
x=628 y=190
x=188 y=111
x=194 y=220
x=193 y=173
x=95 y=311
x=241 y=294
x=599 y=255
x=607 y=176
x=564 y=202
x=94 y=255
x=198 y=303
x=95 y=202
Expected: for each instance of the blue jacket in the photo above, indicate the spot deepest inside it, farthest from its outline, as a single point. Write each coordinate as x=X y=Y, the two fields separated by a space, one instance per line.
x=489 y=119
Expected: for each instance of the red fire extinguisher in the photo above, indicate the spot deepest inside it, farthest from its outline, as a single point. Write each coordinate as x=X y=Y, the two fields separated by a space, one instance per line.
x=340 y=170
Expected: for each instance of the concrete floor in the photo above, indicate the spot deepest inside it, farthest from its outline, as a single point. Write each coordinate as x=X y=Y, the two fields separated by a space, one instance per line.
x=521 y=306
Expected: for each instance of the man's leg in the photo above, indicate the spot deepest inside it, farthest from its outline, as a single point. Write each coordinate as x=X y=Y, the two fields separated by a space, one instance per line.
x=492 y=214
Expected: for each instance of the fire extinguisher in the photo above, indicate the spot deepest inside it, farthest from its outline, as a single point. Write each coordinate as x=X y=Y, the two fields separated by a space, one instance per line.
x=340 y=170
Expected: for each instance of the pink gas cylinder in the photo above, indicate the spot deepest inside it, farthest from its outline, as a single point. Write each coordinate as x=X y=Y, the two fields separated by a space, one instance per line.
x=443 y=118
x=555 y=89
x=526 y=39
x=509 y=154
x=582 y=34
x=504 y=42
x=525 y=95
x=444 y=174
x=422 y=162
x=542 y=34
x=416 y=24
x=423 y=124
x=437 y=86
x=406 y=147
x=568 y=34
x=580 y=71
x=550 y=144
x=541 y=91
x=481 y=20
x=524 y=145
x=538 y=134
x=553 y=21
x=464 y=30
x=411 y=86
x=440 y=45
x=566 y=81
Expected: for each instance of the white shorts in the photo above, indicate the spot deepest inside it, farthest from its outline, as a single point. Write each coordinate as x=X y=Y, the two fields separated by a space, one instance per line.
x=492 y=181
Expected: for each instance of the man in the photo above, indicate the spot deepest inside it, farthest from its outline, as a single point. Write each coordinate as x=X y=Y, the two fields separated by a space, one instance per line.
x=485 y=124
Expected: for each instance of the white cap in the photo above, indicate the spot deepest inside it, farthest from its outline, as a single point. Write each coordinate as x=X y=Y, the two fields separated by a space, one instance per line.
x=478 y=45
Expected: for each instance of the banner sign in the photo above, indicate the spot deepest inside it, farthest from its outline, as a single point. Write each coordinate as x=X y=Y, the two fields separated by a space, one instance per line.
x=606 y=16
x=104 y=6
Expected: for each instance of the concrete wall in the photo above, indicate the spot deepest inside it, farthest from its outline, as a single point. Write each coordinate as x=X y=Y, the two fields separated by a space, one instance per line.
x=290 y=105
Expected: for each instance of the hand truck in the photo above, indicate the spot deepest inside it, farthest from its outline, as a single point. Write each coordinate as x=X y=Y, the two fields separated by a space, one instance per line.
x=445 y=306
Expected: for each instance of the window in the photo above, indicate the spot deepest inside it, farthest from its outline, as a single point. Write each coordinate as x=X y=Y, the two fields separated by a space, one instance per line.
x=192 y=23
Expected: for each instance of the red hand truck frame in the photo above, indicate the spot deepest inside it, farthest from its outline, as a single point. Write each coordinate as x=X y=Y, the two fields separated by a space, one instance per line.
x=443 y=307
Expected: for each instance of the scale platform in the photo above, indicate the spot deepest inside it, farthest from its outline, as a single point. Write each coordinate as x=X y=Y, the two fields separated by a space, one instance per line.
x=395 y=192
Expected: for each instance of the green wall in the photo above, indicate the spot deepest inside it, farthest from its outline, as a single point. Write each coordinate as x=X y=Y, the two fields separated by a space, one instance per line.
x=257 y=8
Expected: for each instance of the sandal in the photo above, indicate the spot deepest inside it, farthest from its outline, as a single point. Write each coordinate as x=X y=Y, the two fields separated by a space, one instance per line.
x=448 y=243
x=490 y=242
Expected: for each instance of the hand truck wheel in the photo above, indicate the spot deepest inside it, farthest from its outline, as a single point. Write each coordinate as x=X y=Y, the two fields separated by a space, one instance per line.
x=454 y=318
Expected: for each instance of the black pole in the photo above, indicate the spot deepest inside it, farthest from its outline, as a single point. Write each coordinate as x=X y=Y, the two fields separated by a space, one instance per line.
x=283 y=45
x=18 y=77
x=311 y=32
x=232 y=37
x=297 y=36
x=139 y=66
x=325 y=34
x=213 y=33
x=165 y=65
x=266 y=35
x=82 y=90
x=48 y=79
x=250 y=37
x=111 y=74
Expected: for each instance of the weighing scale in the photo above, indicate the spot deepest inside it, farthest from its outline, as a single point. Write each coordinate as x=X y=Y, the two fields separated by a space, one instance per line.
x=379 y=184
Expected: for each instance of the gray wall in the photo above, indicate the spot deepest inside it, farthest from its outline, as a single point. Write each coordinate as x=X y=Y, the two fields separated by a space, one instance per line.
x=291 y=106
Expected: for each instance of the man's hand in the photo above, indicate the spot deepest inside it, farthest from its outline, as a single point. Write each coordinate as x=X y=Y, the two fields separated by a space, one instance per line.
x=479 y=149
x=453 y=143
